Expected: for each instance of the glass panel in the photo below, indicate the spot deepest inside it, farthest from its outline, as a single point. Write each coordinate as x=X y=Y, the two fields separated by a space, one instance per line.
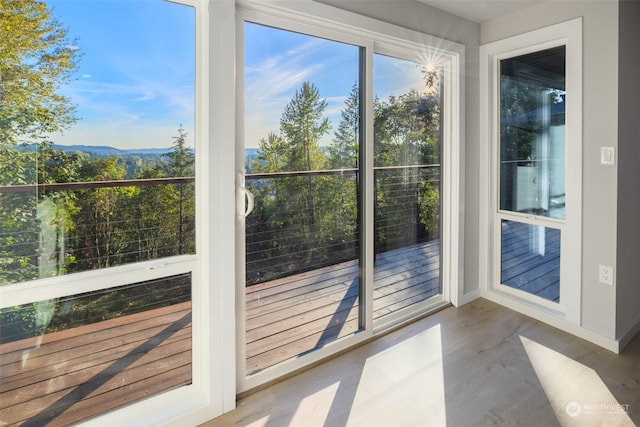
x=530 y=259
x=117 y=186
x=70 y=359
x=407 y=147
x=302 y=121
x=532 y=133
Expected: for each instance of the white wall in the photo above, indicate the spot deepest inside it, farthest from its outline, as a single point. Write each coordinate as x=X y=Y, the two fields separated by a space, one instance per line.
x=420 y=17
x=628 y=278
x=600 y=128
x=602 y=311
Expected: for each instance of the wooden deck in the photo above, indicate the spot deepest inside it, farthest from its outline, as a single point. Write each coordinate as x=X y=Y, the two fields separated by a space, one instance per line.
x=291 y=316
x=78 y=373
x=82 y=372
x=534 y=270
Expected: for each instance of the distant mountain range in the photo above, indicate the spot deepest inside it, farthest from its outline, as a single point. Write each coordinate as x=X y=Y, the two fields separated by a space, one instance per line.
x=105 y=151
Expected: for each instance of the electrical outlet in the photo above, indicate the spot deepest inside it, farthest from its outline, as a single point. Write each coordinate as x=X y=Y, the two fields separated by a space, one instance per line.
x=606 y=275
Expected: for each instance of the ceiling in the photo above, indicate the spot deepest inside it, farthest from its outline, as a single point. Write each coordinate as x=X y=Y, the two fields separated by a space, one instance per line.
x=480 y=10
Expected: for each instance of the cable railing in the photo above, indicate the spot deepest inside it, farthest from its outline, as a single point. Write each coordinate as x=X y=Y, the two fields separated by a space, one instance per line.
x=304 y=220
x=78 y=226
x=307 y=220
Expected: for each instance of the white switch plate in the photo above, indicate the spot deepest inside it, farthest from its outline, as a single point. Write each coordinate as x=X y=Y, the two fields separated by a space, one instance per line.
x=606 y=275
x=608 y=156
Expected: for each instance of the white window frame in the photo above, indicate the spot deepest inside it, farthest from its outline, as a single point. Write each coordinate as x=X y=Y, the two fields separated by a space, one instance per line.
x=212 y=391
x=567 y=34
x=375 y=37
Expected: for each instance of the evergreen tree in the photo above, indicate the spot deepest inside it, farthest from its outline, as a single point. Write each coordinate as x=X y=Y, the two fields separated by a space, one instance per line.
x=344 y=148
x=181 y=163
x=181 y=159
x=302 y=125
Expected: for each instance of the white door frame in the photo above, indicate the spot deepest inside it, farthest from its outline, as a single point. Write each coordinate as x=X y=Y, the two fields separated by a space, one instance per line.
x=569 y=34
x=318 y=19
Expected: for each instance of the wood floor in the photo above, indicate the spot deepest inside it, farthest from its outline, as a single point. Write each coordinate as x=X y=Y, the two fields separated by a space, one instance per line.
x=296 y=314
x=75 y=374
x=478 y=365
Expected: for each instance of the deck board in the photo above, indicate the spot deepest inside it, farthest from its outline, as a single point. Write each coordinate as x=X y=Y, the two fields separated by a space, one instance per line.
x=291 y=316
x=75 y=374
x=526 y=270
x=297 y=314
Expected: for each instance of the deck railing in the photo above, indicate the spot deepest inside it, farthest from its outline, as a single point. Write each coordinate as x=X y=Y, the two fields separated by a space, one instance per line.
x=310 y=219
x=304 y=220
x=78 y=226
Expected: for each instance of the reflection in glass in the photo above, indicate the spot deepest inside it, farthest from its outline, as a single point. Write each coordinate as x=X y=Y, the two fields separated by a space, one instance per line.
x=117 y=187
x=530 y=259
x=532 y=133
x=407 y=152
x=72 y=358
x=302 y=245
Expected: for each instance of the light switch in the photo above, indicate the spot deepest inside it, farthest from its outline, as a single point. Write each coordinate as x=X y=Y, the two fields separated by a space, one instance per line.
x=607 y=156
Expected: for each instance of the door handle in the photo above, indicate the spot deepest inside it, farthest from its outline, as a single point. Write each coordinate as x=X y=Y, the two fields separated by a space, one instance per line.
x=244 y=211
x=250 y=202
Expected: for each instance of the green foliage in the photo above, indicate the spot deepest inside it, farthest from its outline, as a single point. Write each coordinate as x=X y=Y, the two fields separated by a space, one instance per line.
x=43 y=317
x=36 y=59
x=181 y=161
x=304 y=221
x=344 y=150
x=49 y=233
x=302 y=125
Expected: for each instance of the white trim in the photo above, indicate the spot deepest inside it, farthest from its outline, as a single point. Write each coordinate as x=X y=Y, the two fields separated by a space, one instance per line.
x=375 y=37
x=552 y=320
x=94 y=280
x=221 y=102
x=630 y=333
x=212 y=391
x=570 y=34
x=469 y=297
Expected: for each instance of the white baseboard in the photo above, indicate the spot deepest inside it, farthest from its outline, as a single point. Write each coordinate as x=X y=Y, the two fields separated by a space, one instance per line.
x=631 y=332
x=557 y=322
x=468 y=297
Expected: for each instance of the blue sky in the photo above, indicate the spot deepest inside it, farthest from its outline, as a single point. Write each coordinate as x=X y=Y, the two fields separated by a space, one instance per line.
x=135 y=82
x=277 y=62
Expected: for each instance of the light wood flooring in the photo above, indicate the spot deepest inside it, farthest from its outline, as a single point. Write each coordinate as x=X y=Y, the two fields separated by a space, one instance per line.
x=478 y=365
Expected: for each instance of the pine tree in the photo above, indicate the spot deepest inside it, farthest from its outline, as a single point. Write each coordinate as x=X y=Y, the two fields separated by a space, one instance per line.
x=302 y=125
x=344 y=148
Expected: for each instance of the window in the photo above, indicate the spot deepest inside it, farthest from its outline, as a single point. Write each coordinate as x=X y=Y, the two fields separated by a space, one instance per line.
x=302 y=166
x=347 y=141
x=407 y=176
x=531 y=137
x=97 y=207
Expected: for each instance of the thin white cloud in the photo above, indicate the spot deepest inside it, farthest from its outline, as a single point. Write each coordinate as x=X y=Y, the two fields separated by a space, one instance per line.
x=270 y=85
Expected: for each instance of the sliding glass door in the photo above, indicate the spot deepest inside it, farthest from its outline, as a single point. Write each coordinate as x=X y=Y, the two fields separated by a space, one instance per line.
x=301 y=148
x=340 y=151
x=407 y=177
